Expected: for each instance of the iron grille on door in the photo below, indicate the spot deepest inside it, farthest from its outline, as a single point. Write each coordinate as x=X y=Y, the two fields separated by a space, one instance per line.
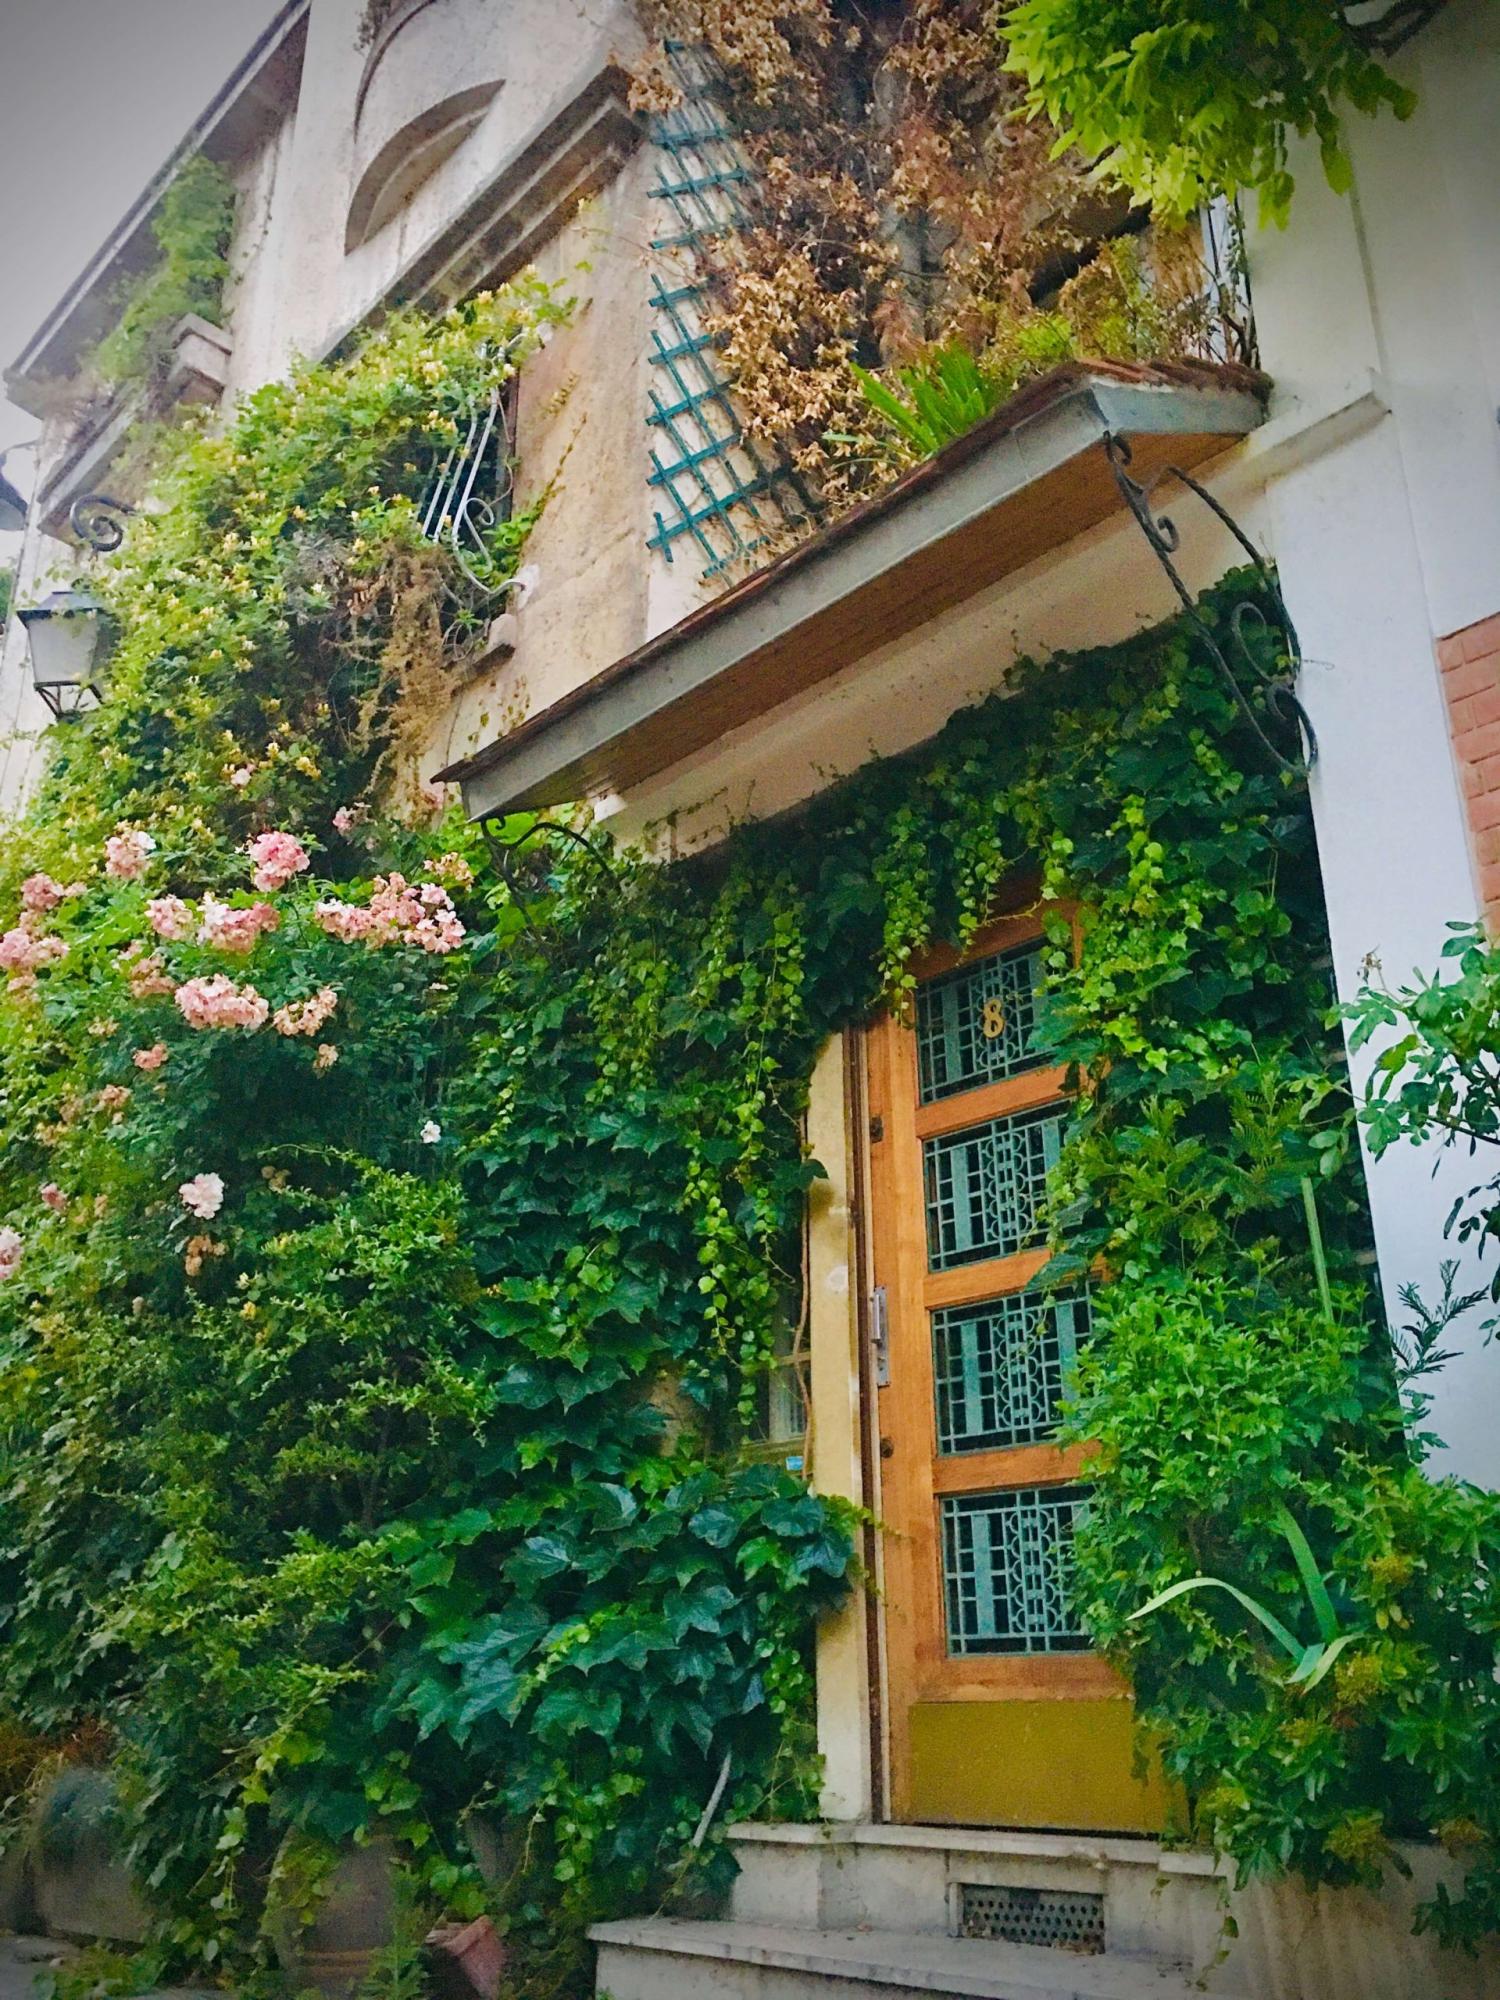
x=1000 y=1369
x=986 y=1185
x=974 y=1026
x=1008 y=1570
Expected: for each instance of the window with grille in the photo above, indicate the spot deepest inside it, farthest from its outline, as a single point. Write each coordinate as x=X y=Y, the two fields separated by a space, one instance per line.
x=1000 y=1369
x=986 y=1186
x=1008 y=1570
x=974 y=1026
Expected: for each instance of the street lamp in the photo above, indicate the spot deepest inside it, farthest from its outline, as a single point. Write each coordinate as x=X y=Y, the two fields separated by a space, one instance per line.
x=65 y=635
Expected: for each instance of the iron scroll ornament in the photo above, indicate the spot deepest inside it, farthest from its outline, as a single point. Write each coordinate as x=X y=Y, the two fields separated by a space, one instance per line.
x=100 y=521
x=1270 y=696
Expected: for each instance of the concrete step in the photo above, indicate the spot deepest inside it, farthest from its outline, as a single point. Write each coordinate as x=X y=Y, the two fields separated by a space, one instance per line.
x=665 y=1958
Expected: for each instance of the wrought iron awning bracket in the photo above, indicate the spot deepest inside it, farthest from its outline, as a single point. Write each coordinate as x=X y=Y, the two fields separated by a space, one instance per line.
x=505 y=852
x=99 y=520
x=1276 y=694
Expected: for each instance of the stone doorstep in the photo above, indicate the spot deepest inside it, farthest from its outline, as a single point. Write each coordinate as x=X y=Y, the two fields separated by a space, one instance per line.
x=901 y=1962
x=999 y=1843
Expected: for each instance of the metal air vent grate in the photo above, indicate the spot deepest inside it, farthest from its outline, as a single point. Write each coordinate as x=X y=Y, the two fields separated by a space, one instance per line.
x=1067 y=1920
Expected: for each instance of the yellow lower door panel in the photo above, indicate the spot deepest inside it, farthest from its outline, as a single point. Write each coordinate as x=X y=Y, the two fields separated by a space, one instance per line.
x=1064 y=1764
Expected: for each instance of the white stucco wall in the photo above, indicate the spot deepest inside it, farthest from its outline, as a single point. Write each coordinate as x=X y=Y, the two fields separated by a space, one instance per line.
x=1387 y=542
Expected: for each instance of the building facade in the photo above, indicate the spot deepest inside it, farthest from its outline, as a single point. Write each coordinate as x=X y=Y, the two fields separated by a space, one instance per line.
x=462 y=140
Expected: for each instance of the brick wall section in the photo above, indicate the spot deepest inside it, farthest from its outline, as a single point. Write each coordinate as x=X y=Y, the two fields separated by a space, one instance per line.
x=1470 y=662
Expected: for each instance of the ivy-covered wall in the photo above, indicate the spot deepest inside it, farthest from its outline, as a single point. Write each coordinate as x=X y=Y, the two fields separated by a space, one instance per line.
x=397 y=1229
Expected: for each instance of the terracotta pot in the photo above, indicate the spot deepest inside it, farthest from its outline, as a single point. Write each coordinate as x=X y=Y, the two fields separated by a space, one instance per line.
x=474 y=1950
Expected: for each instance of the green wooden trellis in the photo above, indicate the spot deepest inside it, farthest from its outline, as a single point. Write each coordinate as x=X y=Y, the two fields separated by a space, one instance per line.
x=719 y=488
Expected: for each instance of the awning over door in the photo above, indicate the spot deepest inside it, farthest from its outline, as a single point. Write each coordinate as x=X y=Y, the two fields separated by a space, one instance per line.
x=1020 y=485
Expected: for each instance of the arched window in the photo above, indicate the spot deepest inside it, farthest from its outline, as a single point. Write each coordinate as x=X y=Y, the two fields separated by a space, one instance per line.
x=428 y=81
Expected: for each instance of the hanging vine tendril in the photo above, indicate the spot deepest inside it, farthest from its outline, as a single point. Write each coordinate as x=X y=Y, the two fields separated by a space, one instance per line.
x=1275 y=694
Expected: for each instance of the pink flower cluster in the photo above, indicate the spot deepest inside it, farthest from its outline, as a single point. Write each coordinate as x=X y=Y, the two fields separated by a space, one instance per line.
x=113 y=1098
x=235 y=930
x=127 y=852
x=219 y=1003
x=11 y=1247
x=152 y=1058
x=277 y=857
x=170 y=918
x=39 y=893
x=306 y=1017
x=25 y=949
x=147 y=975
x=347 y=818
x=399 y=912
x=53 y=1197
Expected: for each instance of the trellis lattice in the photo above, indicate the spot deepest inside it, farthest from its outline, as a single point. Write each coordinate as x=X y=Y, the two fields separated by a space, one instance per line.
x=719 y=490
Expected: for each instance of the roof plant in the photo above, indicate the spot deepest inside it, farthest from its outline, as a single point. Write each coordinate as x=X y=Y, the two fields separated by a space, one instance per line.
x=1184 y=102
x=192 y=228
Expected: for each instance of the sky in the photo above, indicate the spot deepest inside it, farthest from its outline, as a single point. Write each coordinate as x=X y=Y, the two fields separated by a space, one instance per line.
x=94 y=96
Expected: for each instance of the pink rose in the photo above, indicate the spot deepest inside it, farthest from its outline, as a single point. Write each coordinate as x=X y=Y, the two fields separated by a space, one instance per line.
x=277 y=857
x=41 y=893
x=241 y=777
x=325 y=1059
x=306 y=1017
x=23 y=950
x=127 y=852
x=11 y=1246
x=152 y=1058
x=203 y=1196
x=452 y=869
x=146 y=976
x=235 y=930
x=53 y=1197
x=219 y=1003
x=114 y=1097
x=170 y=918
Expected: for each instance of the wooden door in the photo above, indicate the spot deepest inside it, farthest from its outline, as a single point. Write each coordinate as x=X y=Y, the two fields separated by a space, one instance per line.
x=999 y=1712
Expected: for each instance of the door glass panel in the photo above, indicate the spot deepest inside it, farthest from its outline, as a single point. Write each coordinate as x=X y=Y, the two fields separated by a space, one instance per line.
x=1008 y=1570
x=985 y=1186
x=974 y=1025
x=1000 y=1368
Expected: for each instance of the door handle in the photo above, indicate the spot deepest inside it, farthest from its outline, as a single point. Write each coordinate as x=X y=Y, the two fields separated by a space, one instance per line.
x=880 y=1336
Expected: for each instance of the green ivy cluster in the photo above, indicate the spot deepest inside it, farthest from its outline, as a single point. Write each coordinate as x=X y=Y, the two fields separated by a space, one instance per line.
x=1185 y=103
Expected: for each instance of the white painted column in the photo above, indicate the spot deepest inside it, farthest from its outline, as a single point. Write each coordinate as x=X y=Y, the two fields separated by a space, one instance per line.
x=834 y=1439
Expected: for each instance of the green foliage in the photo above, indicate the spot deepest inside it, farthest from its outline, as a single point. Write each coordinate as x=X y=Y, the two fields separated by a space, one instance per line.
x=1435 y=1072
x=192 y=231
x=7 y=590
x=1310 y=1660
x=1128 y=303
x=371 y=1396
x=934 y=401
x=1185 y=103
x=285 y=628
x=402 y=1490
